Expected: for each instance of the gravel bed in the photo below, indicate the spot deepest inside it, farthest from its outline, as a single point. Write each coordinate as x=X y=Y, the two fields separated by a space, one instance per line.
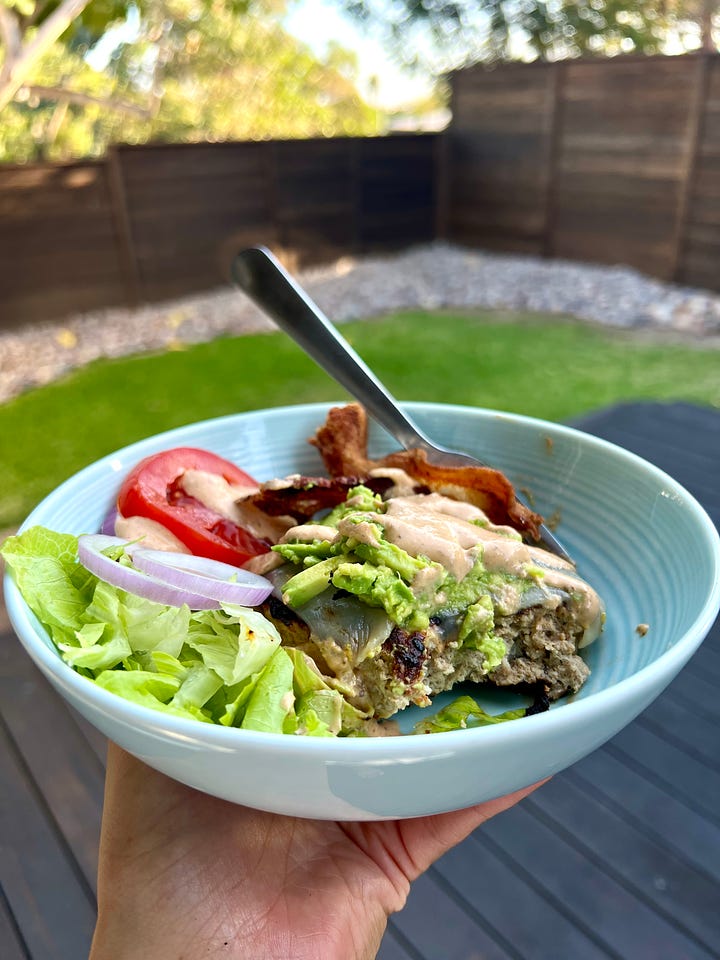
x=431 y=277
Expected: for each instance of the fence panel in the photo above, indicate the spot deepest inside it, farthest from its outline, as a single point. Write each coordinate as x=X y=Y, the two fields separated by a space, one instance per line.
x=396 y=191
x=614 y=161
x=188 y=206
x=160 y=221
x=58 y=242
x=607 y=160
x=498 y=156
x=315 y=198
x=624 y=146
x=700 y=261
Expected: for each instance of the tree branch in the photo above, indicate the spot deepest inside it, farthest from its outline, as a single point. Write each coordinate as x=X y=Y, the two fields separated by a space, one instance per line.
x=53 y=127
x=16 y=70
x=86 y=100
x=10 y=33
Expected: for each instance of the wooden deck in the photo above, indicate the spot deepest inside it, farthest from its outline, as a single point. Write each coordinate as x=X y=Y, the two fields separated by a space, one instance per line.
x=618 y=857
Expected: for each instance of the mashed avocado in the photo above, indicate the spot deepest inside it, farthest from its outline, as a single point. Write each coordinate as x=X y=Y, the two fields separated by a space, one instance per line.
x=355 y=554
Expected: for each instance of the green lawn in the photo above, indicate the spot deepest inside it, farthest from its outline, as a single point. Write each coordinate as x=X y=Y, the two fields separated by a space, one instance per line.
x=541 y=366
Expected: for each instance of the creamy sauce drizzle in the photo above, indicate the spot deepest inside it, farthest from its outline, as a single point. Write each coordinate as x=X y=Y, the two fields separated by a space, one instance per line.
x=442 y=529
x=225 y=498
x=307 y=532
x=153 y=535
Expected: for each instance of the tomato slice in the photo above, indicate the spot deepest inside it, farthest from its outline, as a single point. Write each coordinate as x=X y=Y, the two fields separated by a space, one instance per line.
x=153 y=489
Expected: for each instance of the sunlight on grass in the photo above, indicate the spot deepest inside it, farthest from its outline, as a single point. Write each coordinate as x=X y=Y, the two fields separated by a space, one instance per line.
x=539 y=366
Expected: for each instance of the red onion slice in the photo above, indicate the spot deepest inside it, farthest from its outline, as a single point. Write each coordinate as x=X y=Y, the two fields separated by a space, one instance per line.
x=211 y=578
x=108 y=525
x=90 y=547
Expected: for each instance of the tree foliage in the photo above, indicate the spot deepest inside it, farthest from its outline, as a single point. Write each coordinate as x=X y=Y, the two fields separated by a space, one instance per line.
x=462 y=31
x=196 y=70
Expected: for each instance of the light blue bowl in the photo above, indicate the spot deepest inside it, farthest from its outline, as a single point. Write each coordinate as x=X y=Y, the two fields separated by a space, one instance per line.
x=640 y=538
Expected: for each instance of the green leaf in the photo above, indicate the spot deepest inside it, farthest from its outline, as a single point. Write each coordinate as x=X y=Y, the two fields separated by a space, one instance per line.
x=45 y=568
x=272 y=699
x=462 y=713
x=235 y=641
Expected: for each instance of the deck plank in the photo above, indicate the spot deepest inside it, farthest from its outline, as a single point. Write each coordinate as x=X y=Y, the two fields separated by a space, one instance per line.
x=697 y=691
x=96 y=741
x=10 y=940
x=52 y=906
x=706 y=662
x=505 y=896
x=611 y=913
x=652 y=811
x=652 y=872
x=680 y=774
x=55 y=753
x=392 y=948
x=684 y=729
x=458 y=937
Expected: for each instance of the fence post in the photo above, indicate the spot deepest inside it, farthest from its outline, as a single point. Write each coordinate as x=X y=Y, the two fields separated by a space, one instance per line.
x=356 y=164
x=442 y=184
x=123 y=228
x=696 y=116
x=557 y=93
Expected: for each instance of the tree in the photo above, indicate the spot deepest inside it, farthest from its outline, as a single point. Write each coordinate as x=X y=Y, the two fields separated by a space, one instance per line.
x=462 y=31
x=246 y=78
x=29 y=29
x=192 y=72
x=40 y=124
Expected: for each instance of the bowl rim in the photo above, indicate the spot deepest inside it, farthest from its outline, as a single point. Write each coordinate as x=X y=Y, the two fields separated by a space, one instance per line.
x=648 y=681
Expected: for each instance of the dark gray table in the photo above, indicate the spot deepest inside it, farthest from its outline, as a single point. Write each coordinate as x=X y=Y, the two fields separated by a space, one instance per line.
x=618 y=857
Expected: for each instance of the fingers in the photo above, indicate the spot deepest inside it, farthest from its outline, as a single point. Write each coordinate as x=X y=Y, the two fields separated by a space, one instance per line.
x=427 y=838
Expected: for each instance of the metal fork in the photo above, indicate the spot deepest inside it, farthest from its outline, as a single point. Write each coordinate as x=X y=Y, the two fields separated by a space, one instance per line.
x=263 y=278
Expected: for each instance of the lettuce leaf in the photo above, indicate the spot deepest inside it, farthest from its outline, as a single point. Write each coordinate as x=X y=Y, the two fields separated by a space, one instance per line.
x=154 y=690
x=223 y=666
x=314 y=693
x=234 y=641
x=462 y=713
x=54 y=585
x=271 y=702
x=167 y=658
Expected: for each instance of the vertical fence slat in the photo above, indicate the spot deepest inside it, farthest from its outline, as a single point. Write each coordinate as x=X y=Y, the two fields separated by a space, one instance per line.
x=442 y=174
x=123 y=228
x=695 y=132
x=498 y=151
x=557 y=91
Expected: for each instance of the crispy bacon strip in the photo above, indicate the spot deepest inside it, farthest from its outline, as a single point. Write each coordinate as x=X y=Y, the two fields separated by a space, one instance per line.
x=342 y=443
x=302 y=497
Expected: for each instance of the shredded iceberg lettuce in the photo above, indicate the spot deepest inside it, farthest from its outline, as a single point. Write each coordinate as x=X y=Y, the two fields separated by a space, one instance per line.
x=223 y=666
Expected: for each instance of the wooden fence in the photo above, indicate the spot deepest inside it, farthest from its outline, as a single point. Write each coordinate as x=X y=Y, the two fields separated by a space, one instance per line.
x=153 y=222
x=614 y=161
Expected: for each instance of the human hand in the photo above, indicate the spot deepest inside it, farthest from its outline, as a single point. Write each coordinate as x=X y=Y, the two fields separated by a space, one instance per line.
x=185 y=875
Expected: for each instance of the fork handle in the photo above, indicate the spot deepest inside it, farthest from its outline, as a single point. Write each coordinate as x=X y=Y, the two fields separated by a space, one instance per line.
x=257 y=272
x=263 y=278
